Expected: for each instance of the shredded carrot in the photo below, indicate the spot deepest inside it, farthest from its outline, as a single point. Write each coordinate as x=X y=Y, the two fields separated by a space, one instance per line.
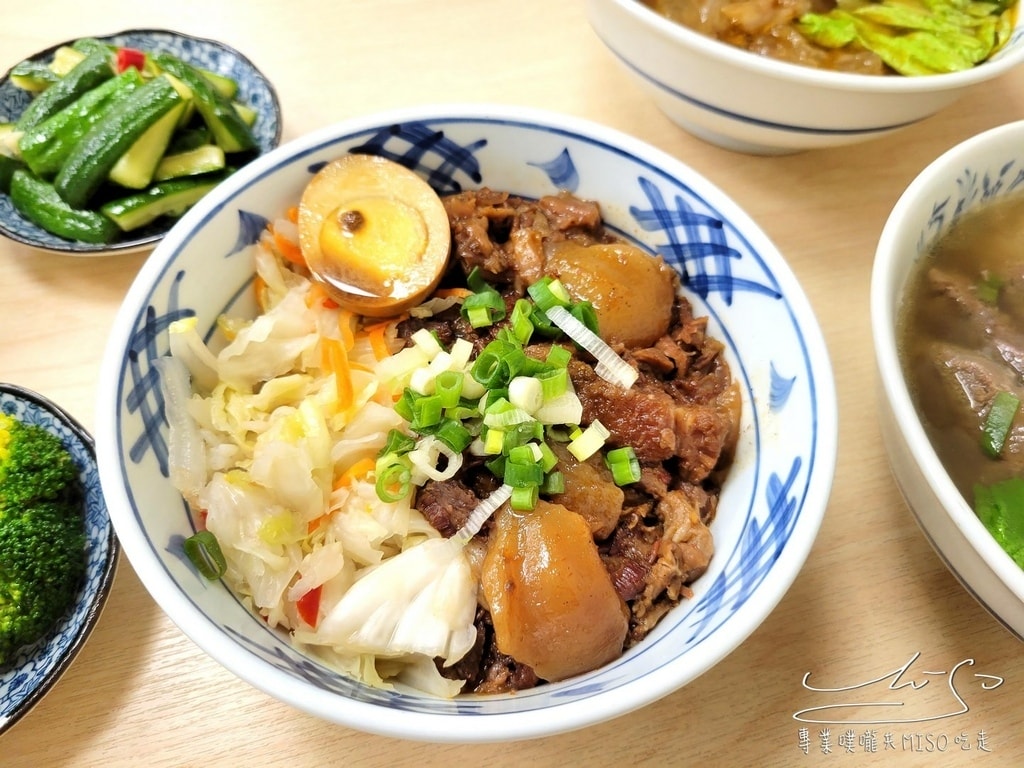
x=334 y=358
x=289 y=249
x=318 y=295
x=378 y=340
x=345 y=321
x=361 y=468
x=259 y=286
x=292 y=214
x=316 y=523
x=457 y=291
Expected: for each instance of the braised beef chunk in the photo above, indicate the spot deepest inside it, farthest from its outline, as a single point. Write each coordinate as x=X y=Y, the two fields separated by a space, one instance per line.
x=504 y=235
x=681 y=418
x=446 y=504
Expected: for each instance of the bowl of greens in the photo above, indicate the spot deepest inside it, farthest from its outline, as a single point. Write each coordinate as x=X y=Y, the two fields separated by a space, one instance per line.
x=768 y=78
x=105 y=141
x=58 y=549
x=946 y=314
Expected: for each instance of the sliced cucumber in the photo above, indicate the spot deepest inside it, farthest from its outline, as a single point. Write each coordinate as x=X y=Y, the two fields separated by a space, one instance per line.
x=135 y=168
x=208 y=158
x=94 y=69
x=8 y=165
x=33 y=76
x=224 y=85
x=166 y=198
x=228 y=128
x=39 y=202
x=45 y=147
x=89 y=163
x=247 y=113
x=9 y=138
x=65 y=59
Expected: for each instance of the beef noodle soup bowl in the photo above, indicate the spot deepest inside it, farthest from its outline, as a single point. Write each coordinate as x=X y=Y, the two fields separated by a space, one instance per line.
x=757 y=103
x=519 y=196
x=947 y=326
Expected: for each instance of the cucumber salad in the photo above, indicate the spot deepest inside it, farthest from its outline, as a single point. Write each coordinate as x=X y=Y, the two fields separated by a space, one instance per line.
x=116 y=138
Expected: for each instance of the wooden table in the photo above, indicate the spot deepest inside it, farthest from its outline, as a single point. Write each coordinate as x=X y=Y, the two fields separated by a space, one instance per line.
x=872 y=597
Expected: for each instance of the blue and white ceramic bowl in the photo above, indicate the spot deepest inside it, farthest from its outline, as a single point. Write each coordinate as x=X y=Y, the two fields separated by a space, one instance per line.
x=966 y=176
x=773 y=501
x=38 y=667
x=749 y=103
x=254 y=90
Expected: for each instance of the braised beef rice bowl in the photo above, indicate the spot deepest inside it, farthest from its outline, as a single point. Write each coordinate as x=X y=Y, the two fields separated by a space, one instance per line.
x=564 y=575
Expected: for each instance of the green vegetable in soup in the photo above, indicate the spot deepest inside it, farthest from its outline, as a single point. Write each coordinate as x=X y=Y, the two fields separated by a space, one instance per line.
x=1000 y=507
x=916 y=37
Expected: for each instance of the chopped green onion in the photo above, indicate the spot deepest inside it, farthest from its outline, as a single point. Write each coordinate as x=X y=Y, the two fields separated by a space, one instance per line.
x=988 y=287
x=528 y=453
x=484 y=308
x=454 y=434
x=394 y=478
x=998 y=422
x=204 y=552
x=547 y=459
x=549 y=292
x=427 y=341
x=397 y=442
x=522 y=327
x=542 y=324
x=520 y=475
x=526 y=392
x=403 y=407
x=624 y=465
x=488 y=369
x=559 y=356
x=448 y=387
x=426 y=412
x=505 y=414
x=589 y=441
x=553 y=382
x=494 y=441
x=520 y=434
x=554 y=483
x=585 y=313
x=524 y=498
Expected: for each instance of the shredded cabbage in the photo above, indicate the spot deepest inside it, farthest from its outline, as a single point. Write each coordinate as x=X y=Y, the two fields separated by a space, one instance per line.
x=263 y=449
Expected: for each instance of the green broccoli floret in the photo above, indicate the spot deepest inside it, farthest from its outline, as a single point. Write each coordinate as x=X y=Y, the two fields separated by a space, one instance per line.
x=42 y=534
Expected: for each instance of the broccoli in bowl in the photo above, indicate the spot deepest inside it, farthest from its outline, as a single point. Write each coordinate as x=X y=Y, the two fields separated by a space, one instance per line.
x=42 y=534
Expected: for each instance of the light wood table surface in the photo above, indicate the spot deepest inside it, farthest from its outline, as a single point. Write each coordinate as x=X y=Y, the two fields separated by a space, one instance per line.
x=872 y=597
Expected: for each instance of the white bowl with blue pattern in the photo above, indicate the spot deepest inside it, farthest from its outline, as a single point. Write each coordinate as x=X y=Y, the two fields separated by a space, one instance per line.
x=773 y=501
x=970 y=174
x=755 y=104
x=254 y=90
x=38 y=667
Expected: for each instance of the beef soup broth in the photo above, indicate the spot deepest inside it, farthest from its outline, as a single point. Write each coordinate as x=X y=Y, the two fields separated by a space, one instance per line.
x=960 y=334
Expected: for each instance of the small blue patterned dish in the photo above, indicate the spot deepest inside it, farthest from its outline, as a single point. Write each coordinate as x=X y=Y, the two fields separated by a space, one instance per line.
x=40 y=666
x=773 y=501
x=254 y=90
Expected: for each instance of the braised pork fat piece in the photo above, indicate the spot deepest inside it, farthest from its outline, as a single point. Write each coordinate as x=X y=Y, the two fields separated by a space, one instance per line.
x=681 y=417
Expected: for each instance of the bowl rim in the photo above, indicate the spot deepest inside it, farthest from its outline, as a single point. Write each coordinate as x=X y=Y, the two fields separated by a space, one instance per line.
x=723 y=53
x=884 y=295
x=98 y=600
x=558 y=717
x=136 y=244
